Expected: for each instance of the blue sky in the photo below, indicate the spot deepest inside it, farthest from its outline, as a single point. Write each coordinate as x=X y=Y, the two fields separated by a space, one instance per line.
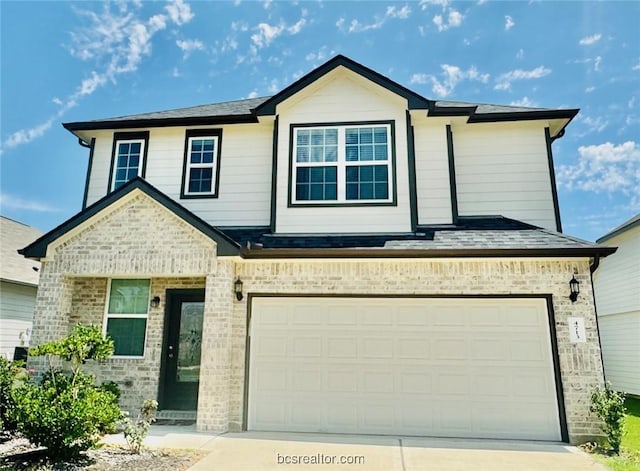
x=74 y=61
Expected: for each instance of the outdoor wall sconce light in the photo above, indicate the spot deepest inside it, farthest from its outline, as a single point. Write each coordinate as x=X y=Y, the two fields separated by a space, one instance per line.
x=237 y=288
x=574 y=287
x=155 y=302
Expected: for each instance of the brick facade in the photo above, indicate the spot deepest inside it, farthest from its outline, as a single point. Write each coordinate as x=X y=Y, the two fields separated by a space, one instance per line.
x=141 y=239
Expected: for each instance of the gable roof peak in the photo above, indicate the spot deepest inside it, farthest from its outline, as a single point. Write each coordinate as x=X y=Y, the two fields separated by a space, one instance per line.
x=415 y=101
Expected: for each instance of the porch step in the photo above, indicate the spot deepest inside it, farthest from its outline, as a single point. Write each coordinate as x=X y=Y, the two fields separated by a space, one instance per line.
x=176 y=417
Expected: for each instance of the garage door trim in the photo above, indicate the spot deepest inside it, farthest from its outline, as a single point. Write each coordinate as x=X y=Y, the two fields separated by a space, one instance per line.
x=550 y=317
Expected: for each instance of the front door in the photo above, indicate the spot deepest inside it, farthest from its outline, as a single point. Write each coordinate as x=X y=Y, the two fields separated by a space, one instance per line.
x=182 y=349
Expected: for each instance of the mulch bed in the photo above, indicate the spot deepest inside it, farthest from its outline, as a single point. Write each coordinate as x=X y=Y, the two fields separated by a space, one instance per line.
x=16 y=453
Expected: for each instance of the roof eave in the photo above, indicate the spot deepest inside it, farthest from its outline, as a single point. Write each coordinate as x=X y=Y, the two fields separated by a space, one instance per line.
x=262 y=253
x=159 y=122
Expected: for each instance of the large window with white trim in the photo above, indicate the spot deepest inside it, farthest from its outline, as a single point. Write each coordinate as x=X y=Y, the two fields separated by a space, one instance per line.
x=342 y=164
x=128 y=159
x=201 y=163
x=126 y=315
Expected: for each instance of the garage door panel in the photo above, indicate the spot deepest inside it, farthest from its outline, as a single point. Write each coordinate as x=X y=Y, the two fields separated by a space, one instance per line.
x=440 y=367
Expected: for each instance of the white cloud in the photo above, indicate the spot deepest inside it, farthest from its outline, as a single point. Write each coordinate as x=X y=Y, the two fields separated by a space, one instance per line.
x=526 y=102
x=604 y=168
x=424 y=4
x=266 y=34
x=508 y=23
x=451 y=76
x=116 y=40
x=636 y=67
x=453 y=20
x=391 y=12
x=598 y=124
x=189 y=45
x=13 y=202
x=179 y=12
x=253 y=94
x=297 y=27
x=503 y=82
x=589 y=89
x=589 y=40
x=520 y=54
x=596 y=63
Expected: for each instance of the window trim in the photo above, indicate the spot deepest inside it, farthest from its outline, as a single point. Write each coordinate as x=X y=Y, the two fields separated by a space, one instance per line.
x=108 y=316
x=128 y=136
x=393 y=200
x=215 y=180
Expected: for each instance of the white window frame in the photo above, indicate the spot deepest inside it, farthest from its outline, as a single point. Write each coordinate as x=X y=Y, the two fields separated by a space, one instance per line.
x=115 y=158
x=213 y=165
x=108 y=315
x=341 y=163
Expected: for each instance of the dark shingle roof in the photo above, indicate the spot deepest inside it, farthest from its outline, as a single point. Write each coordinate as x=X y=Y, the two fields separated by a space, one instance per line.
x=14 y=267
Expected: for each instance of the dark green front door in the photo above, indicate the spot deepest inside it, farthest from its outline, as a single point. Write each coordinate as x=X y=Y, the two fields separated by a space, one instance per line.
x=182 y=349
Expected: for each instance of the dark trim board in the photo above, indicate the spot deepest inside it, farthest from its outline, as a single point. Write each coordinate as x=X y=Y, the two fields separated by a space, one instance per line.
x=552 y=178
x=411 y=156
x=92 y=147
x=160 y=122
x=548 y=298
x=274 y=175
x=453 y=189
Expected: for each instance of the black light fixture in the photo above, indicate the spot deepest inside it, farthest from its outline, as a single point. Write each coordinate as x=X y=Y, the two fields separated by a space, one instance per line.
x=237 y=288
x=155 y=301
x=574 y=287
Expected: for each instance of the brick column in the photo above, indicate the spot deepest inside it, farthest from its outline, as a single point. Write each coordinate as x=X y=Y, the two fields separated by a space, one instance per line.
x=215 y=370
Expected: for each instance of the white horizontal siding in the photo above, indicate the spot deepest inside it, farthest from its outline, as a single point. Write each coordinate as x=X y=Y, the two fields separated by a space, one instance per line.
x=503 y=169
x=17 y=303
x=341 y=96
x=617 y=279
x=432 y=172
x=619 y=335
x=244 y=193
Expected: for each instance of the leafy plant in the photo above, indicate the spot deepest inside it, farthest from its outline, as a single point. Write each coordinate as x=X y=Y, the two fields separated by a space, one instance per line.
x=66 y=413
x=12 y=374
x=135 y=432
x=608 y=405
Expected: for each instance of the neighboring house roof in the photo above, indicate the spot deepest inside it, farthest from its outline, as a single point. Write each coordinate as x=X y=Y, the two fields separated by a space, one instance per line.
x=247 y=111
x=624 y=227
x=38 y=249
x=13 y=266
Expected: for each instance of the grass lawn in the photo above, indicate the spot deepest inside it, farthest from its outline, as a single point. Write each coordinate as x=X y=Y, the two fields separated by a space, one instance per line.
x=629 y=459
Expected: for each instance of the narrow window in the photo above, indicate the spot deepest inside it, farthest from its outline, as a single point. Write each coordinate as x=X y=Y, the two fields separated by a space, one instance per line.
x=128 y=157
x=201 y=164
x=126 y=316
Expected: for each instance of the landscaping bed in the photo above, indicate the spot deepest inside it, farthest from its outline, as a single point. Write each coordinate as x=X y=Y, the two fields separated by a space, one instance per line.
x=16 y=453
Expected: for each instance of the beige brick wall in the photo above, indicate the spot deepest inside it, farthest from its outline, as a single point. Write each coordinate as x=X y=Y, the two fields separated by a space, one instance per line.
x=141 y=239
x=580 y=364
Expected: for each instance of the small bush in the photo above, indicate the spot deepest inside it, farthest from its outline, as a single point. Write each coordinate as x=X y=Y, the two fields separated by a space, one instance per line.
x=66 y=413
x=135 y=432
x=112 y=387
x=65 y=417
x=12 y=374
x=608 y=405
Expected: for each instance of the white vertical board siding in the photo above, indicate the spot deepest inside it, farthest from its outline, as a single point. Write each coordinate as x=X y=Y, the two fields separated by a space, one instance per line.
x=17 y=303
x=617 y=280
x=432 y=171
x=245 y=172
x=619 y=335
x=338 y=97
x=502 y=169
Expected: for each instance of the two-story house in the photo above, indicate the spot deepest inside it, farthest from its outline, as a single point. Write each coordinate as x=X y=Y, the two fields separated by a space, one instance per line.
x=345 y=256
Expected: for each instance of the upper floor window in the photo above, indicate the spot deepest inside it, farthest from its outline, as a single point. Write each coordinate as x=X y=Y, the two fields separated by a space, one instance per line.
x=342 y=164
x=201 y=163
x=128 y=157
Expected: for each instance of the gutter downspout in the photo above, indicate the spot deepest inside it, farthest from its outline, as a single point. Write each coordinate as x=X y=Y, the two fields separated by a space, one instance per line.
x=592 y=268
x=84 y=143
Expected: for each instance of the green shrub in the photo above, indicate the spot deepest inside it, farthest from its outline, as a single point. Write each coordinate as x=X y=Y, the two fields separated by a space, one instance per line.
x=135 y=432
x=12 y=374
x=608 y=405
x=65 y=417
x=66 y=413
x=112 y=387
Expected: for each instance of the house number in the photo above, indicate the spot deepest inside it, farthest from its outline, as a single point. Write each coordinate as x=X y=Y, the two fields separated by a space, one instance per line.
x=577 y=332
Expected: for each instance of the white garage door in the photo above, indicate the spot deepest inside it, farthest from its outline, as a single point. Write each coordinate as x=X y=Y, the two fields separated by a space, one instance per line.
x=399 y=366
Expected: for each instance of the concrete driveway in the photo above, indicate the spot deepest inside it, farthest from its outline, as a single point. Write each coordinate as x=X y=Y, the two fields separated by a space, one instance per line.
x=258 y=451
